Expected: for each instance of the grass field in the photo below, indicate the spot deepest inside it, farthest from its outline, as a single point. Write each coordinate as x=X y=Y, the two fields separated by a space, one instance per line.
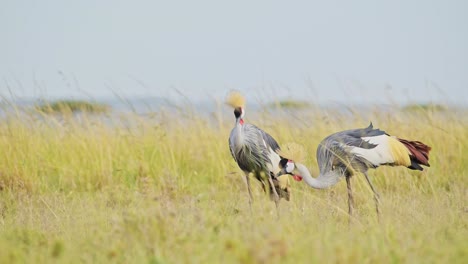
x=163 y=188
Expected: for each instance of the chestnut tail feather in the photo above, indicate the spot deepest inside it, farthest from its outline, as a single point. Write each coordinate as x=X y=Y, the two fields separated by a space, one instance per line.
x=419 y=153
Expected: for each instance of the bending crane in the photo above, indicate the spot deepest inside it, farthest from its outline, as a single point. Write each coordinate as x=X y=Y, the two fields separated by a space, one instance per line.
x=345 y=153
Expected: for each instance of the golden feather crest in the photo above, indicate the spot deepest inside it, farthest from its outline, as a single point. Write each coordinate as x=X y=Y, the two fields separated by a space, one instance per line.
x=235 y=99
x=293 y=151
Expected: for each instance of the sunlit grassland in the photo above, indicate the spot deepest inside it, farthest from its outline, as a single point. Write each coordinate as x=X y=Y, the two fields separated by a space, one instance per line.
x=163 y=188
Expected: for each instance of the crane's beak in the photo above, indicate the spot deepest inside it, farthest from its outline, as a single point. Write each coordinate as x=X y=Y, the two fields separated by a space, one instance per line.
x=295 y=177
x=282 y=172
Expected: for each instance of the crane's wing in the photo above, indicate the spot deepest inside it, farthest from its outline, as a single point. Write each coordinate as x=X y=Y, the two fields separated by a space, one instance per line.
x=338 y=149
x=270 y=141
x=354 y=137
x=256 y=152
x=266 y=148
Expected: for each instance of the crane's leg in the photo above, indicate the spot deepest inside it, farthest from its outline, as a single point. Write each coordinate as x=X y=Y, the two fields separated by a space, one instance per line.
x=350 y=196
x=275 y=194
x=376 y=195
x=247 y=181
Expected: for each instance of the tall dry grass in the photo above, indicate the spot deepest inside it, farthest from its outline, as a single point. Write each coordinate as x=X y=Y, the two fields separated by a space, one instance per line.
x=163 y=188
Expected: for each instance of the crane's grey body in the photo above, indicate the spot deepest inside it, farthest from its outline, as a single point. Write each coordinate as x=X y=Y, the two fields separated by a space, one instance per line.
x=334 y=152
x=336 y=160
x=345 y=153
x=253 y=148
x=256 y=152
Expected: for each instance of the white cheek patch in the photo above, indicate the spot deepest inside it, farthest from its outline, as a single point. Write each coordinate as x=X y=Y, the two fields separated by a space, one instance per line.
x=289 y=167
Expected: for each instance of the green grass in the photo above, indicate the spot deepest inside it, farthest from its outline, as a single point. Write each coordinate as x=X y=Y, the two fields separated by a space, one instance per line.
x=164 y=189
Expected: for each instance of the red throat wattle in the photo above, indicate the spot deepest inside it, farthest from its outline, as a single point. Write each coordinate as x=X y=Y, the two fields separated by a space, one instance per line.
x=297 y=177
x=241 y=121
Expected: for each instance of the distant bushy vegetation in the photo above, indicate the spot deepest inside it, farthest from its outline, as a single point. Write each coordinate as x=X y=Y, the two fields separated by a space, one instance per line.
x=424 y=107
x=64 y=106
x=289 y=104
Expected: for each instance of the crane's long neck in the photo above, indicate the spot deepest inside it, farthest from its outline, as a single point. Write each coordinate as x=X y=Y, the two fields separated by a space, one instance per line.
x=239 y=133
x=239 y=124
x=321 y=182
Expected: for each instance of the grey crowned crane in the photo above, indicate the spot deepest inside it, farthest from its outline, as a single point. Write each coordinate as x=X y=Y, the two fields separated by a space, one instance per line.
x=345 y=153
x=256 y=152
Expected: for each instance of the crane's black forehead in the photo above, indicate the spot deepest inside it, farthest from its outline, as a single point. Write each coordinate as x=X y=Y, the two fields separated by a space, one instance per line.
x=237 y=112
x=283 y=163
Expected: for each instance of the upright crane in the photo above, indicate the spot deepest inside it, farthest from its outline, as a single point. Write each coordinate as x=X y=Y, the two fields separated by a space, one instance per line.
x=256 y=152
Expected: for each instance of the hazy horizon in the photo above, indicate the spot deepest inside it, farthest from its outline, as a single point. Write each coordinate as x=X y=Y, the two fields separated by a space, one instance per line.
x=323 y=52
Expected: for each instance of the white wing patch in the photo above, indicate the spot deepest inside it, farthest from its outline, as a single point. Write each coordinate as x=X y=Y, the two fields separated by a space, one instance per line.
x=274 y=159
x=379 y=155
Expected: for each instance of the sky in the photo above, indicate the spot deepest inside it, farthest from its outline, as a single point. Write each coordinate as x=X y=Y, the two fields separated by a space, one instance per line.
x=320 y=51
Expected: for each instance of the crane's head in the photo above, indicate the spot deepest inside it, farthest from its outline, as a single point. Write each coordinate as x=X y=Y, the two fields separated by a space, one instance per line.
x=294 y=153
x=237 y=101
x=239 y=112
x=288 y=167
